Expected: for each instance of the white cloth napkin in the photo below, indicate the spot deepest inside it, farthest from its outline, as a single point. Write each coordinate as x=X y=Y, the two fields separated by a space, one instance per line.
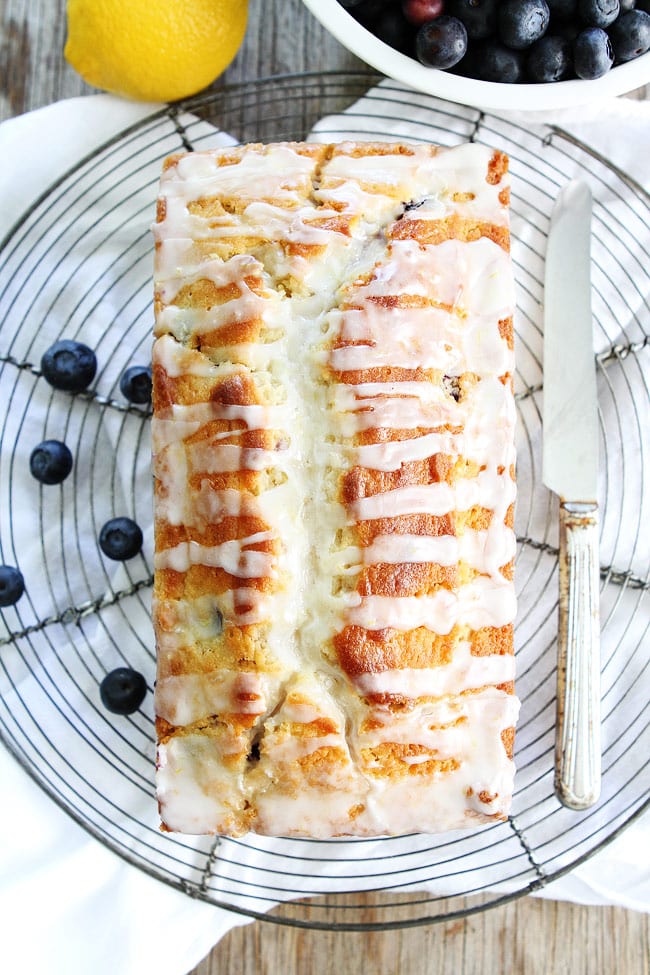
x=68 y=904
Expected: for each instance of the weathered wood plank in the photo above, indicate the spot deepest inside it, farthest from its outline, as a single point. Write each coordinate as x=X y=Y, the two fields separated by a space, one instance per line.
x=282 y=37
x=526 y=937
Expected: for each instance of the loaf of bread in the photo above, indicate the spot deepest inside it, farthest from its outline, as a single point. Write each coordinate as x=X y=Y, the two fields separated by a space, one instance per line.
x=333 y=443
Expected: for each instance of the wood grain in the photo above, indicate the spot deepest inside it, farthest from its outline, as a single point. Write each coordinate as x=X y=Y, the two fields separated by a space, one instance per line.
x=282 y=37
x=526 y=937
x=529 y=936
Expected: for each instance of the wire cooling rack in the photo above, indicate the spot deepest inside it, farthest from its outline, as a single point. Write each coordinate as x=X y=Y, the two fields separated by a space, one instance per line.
x=78 y=265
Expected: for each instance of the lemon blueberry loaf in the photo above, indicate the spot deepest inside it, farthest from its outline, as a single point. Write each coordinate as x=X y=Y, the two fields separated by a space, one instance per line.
x=333 y=442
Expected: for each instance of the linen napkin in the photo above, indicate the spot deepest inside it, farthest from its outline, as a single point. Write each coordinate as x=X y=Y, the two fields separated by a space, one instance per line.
x=69 y=905
x=95 y=911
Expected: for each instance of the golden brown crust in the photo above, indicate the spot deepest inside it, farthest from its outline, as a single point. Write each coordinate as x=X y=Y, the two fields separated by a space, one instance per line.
x=492 y=639
x=507 y=332
x=497 y=167
x=362 y=651
x=392 y=759
x=419 y=524
x=406 y=579
x=361 y=482
x=449 y=228
x=265 y=738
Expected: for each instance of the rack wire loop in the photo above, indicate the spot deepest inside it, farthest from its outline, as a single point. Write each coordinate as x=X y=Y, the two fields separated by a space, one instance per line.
x=78 y=265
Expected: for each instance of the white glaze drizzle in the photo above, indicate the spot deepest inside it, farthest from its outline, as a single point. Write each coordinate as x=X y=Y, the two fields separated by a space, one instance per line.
x=403 y=337
x=183 y=699
x=482 y=602
x=186 y=421
x=488 y=490
x=485 y=551
x=171 y=275
x=464 y=672
x=194 y=787
x=245 y=606
x=235 y=557
x=473 y=280
x=471 y=277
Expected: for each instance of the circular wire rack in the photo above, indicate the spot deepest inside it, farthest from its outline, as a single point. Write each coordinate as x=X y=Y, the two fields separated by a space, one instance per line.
x=78 y=265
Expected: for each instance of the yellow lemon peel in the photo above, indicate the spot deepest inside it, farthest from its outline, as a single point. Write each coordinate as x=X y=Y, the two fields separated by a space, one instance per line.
x=153 y=50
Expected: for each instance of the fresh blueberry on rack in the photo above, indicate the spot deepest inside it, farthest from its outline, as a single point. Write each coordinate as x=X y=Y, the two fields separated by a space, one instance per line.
x=12 y=585
x=479 y=16
x=593 y=54
x=69 y=365
x=50 y=462
x=630 y=35
x=598 y=13
x=135 y=384
x=123 y=690
x=549 y=59
x=120 y=539
x=442 y=42
x=522 y=22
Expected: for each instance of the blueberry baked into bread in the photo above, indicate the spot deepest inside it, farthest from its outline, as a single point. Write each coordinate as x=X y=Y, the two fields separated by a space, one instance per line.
x=334 y=490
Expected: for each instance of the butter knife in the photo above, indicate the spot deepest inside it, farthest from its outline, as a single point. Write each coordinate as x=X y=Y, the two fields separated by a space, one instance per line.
x=570 y=470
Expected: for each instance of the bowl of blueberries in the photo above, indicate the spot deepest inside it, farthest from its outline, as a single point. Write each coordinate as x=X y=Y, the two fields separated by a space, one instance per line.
x=500 y=54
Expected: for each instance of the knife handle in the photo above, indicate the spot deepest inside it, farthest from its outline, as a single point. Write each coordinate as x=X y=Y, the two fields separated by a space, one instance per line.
x=577 y=744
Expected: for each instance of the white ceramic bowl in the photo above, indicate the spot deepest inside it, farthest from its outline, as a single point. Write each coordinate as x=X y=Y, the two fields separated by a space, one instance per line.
x=467 y=91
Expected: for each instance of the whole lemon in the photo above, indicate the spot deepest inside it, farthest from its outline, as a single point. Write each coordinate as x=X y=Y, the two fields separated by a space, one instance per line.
x=153 y=50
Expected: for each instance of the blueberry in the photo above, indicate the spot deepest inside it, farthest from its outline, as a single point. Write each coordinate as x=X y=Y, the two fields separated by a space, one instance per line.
x=569 y=30
x=123 y=690
x=479 y=16
x=522 y=22
x=442 y=43
x=494 y=62
x=367 y=8
x=392 y=27
x=12 y=585
x=69 y=365
x=598 y=13
x=563 y=9
x=549 y=59
x=419 y=12
x=465 y=67
x=593 y=54
x=120 y=539
x=627 y=5
x=630 y=35
x=50 y=462
x=135 y=384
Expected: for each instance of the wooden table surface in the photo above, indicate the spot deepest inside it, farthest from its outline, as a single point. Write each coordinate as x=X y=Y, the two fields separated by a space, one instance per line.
x=528 y=936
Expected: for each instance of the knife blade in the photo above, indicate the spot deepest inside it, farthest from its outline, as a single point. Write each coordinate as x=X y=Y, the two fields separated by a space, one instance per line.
x=570 y=470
